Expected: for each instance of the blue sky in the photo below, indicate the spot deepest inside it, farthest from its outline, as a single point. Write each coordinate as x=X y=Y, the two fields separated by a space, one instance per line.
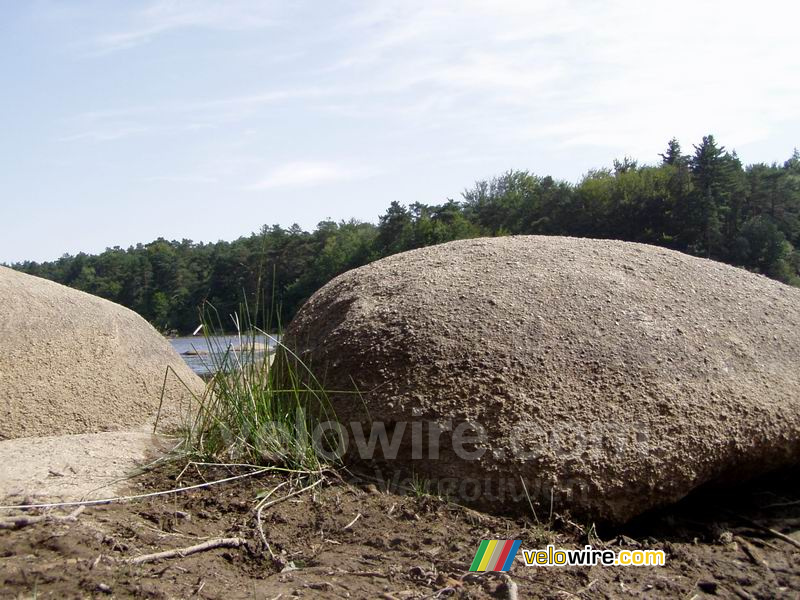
x=124 y=121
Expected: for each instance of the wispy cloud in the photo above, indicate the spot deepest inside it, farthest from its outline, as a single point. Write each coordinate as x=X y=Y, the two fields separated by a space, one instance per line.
x=189 y=179
x=194 y=113
x=621 y=74
x=310 y=174
x=564 y=74
x=164 y=16
x=105 y=135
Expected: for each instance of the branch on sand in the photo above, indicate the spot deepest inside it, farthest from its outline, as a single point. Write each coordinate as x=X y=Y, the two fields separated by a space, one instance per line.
x=181 y=552
x=769 y=530
x=20 y=522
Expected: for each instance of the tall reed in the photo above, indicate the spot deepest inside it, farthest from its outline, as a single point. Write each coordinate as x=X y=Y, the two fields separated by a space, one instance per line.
x=253 y=411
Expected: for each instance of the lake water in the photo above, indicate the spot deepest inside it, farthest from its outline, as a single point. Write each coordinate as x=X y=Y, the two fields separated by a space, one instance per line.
x=196 y=352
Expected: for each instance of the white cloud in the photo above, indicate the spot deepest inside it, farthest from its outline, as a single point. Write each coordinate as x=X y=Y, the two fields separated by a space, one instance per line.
x=310 y=174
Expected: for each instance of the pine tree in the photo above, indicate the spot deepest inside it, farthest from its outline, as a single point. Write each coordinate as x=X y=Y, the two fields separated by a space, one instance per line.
x=673 y=155
x=712 y=170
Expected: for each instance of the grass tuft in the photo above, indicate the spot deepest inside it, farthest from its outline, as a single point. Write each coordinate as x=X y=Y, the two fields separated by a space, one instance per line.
x=253 y=412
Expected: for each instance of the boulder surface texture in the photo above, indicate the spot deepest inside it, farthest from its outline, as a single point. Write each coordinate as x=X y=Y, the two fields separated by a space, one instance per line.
x=71 y=362
x=609 y=377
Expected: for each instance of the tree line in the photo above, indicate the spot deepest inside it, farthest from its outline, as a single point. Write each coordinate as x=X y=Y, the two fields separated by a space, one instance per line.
x=704 y=203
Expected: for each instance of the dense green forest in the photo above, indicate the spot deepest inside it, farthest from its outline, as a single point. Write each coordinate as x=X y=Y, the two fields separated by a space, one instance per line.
x=705 y=203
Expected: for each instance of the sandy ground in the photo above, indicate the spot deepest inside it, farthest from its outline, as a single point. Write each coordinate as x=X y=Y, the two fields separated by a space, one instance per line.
x=74 y=467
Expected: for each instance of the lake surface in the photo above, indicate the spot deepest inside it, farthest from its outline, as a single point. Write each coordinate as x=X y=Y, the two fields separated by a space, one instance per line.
x=197 y=352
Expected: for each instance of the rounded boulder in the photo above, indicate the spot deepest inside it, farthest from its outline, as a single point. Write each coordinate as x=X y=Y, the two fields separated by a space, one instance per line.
x=600 y=378
x=74 y=363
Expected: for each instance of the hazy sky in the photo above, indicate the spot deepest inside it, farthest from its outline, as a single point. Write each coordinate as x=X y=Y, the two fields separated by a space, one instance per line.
x=124 y=121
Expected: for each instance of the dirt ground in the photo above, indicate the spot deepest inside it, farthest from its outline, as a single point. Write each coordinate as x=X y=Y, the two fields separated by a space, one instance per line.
x=354 y=540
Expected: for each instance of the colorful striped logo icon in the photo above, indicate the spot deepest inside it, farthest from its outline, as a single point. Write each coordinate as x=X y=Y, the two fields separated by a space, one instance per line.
x=495 y=555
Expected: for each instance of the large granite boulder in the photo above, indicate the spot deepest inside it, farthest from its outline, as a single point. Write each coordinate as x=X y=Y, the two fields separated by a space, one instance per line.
x=71 y=362
x=608 y=377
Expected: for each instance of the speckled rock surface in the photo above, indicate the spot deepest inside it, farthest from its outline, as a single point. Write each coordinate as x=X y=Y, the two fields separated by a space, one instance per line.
x=71 y=362
x=610 y=377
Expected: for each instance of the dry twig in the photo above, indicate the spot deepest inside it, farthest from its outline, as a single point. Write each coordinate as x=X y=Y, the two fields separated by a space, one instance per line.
x=353 y=522
x=773 y=532
x=181 y=552
x=753 y=554
x=20 y=522
x=264 y=504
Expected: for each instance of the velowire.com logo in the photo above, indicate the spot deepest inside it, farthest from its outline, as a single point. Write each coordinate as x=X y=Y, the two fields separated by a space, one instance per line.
x=495 y=555
x=498 y=555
